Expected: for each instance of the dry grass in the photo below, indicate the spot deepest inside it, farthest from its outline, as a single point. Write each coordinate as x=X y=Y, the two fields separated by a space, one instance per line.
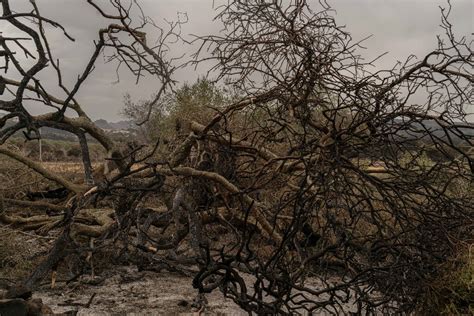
x=16 y=254
x=15 y=179
x=453 y=293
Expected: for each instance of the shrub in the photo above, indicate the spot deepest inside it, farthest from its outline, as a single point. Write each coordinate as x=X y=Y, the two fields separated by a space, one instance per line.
x=74 y=151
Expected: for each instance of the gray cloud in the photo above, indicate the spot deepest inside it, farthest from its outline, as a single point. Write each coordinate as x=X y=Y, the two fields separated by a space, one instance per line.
x=401 y=27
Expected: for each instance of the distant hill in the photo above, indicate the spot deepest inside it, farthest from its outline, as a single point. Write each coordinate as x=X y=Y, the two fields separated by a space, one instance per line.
x=415 y=129
x=120 y=125
x=121 y=128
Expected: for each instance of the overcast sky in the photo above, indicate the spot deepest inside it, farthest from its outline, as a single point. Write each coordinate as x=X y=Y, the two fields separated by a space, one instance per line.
x=400 y=27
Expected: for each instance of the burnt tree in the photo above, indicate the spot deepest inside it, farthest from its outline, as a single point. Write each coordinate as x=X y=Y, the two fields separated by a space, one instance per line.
x=318 y=168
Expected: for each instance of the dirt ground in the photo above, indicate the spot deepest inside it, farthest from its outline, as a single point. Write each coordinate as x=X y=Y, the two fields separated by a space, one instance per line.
x=116 y=290
x=131 y=292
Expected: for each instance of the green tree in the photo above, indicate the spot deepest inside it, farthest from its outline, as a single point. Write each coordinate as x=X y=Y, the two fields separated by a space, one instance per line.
x=198 y=102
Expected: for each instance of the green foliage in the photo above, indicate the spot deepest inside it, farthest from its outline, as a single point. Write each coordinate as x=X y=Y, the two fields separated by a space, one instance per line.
x=197 y=102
